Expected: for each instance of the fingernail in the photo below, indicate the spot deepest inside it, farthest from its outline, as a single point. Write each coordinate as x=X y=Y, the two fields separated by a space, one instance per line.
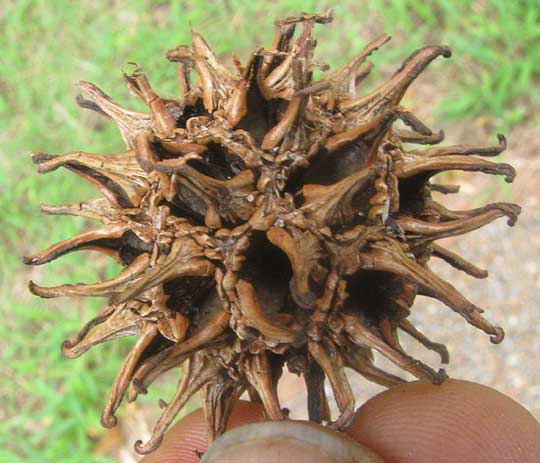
x=288 y=441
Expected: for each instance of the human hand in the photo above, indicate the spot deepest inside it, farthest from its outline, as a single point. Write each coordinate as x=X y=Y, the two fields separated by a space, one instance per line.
x=456 y=422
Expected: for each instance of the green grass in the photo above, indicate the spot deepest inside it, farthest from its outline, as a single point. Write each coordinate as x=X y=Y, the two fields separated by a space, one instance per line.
x=51 y=405
x=495 y=44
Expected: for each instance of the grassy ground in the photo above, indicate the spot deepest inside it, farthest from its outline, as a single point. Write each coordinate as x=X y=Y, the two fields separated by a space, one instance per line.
x=50 y=406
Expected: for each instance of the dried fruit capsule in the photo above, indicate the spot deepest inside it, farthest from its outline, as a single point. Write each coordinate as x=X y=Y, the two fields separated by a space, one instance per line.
x=266 y=220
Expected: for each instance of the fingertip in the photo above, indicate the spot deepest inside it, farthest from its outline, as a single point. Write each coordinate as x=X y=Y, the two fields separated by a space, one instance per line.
x=244 y=413
x=296 y=441
x=187 y=439
x=457 y=421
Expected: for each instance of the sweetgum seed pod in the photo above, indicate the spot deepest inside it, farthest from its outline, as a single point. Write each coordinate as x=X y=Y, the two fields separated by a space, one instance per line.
x=265 y=220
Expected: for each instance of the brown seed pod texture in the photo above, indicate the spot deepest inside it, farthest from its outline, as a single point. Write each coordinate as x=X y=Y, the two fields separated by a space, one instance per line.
x=266 y=220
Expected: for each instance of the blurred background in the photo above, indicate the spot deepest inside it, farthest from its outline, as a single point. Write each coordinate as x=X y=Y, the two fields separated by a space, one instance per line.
x=50 y=406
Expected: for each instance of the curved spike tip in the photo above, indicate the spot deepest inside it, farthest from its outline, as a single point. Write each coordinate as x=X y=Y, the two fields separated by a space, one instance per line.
x=150 y=446
x=37 y=290
x=502 y=141
x=108 y=421
x=508 y=171
x=30 y=260
x=67 y=350
x=38 y=158
x=498 y=337
x=446 y=51
x=441 y=376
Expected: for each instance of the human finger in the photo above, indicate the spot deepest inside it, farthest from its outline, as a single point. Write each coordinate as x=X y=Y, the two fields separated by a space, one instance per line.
x=457 y=421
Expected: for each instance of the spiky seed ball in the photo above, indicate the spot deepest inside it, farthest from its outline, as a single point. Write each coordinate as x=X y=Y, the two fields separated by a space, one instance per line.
x=266 y=220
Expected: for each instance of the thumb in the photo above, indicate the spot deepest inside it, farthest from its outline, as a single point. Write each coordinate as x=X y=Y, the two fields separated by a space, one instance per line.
x=296 y=441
